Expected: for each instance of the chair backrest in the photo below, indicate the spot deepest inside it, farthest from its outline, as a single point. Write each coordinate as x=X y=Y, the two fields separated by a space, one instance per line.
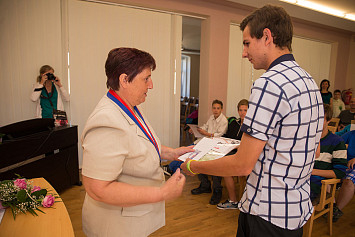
x=183 y=109
x=334 y=122
x=192 y=108
x=192 y=100
x=324 y=206
x=324 y=199
x=332 y=129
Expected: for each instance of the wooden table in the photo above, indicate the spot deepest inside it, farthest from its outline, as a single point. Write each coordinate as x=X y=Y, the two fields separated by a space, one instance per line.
x=55 y=221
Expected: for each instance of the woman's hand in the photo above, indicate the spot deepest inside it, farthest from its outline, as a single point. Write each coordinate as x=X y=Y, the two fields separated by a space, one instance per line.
x=173 y=154
x=43 y=79
x=173 y=187
x=57 y=82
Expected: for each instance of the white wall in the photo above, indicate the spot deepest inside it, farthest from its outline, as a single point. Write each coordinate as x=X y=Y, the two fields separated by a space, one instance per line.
x=95 y=29
x=38 y=32
x=30 y=36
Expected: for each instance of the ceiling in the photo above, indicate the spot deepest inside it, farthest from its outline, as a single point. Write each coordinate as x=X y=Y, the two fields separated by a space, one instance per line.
x=347 y=6
x=191 y=31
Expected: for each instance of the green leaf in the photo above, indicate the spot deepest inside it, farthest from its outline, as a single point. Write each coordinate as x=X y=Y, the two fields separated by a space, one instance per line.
x=21 y=196
x=40 y=210
x=32 y=212
x=13 y=213
x=39 y=193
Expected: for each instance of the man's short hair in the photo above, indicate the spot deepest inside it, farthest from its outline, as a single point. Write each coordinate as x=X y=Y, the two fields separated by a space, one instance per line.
x=243 y=102
x=328 y=112
x=276 y=19
x=218 y=102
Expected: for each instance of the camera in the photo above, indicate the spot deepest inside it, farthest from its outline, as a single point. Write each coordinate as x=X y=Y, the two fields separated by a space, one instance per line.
x=50 y=76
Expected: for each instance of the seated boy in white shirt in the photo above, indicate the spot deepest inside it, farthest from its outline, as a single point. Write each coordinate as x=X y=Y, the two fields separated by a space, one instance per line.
x=215 y=126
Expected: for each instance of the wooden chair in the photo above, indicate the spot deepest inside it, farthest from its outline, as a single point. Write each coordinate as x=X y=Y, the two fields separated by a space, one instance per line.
x=332 y=129
x=183 y=116
x=333 y=124
x=324 y=206
x=192 y=108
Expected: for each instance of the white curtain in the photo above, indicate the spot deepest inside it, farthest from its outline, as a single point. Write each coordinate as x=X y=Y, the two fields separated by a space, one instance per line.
x=95 y=29
x=241 y=73
x=185 y=75
x=312 y=55
x=30 y=36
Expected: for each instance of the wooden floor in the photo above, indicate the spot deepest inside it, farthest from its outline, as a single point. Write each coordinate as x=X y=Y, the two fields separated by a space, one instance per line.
x=191 y=215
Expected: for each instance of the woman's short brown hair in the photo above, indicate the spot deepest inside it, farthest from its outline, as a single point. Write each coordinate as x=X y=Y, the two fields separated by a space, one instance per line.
x=276 y=19
x=128 y=61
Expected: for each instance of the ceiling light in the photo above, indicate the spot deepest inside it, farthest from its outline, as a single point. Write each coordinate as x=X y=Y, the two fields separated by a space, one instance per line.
x=321 y=8
x=350 y=17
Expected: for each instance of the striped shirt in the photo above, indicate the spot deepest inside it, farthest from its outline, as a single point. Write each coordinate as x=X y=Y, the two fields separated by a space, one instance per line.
x=285 y=110
x=332 y=157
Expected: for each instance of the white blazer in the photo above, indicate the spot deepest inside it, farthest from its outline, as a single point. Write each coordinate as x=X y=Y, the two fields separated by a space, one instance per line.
x=115 y=148
x=35 y=97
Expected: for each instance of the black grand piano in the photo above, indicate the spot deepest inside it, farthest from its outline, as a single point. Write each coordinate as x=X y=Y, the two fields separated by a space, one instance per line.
x=36 y=148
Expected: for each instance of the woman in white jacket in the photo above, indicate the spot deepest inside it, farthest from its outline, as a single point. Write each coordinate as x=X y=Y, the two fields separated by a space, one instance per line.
x=48 y=93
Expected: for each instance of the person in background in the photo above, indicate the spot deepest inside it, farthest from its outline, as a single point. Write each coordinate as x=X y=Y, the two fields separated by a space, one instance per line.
x=326 y=94
x=125 y=185
x=344 y=130
x=281 y=132
x=332 y=160
x=346 y=192
x=48 y=93
x=338 y=104
x=234 y=132
x=347 y=115
x=215 y=126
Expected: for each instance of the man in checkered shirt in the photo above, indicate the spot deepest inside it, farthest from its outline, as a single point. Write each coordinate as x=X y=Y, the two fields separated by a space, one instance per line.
x=282 y=131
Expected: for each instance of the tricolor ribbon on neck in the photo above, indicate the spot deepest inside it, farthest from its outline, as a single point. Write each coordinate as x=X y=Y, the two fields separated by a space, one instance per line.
x=115 y=98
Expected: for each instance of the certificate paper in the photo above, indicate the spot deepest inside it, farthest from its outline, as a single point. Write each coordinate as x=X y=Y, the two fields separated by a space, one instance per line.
x=202 y=147
x=211 y=148
x=194 y=130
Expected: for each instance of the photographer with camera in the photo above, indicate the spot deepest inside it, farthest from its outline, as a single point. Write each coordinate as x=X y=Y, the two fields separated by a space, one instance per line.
x=48 y=93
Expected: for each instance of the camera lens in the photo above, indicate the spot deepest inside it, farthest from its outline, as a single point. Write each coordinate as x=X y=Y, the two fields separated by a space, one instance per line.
x=50 y=76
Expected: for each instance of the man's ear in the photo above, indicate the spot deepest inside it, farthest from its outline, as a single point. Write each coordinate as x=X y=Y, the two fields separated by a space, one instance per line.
x=123 y=80
x=267 y=35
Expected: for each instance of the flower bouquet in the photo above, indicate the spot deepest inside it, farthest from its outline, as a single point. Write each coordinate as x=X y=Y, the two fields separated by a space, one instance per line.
x=21 y=196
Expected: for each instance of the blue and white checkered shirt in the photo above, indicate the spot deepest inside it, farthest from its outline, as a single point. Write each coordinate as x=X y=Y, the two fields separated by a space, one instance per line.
x=286 y=111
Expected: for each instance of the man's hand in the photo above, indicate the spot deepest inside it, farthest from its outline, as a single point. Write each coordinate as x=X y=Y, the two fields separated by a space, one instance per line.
x=203 y=132
x=184 y=168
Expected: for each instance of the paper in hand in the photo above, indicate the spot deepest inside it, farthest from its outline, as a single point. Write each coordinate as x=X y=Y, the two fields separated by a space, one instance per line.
x=194 y=130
